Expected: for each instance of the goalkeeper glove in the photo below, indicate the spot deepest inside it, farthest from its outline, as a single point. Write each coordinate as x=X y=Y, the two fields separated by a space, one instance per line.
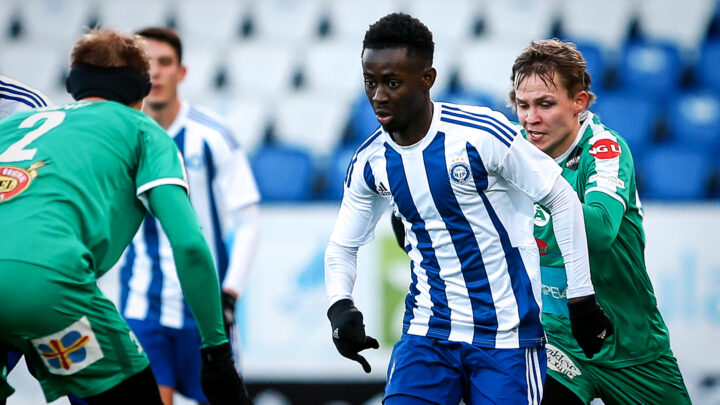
x=220 y=382
x=348 y=332
x=228 y=307
x=589 y=324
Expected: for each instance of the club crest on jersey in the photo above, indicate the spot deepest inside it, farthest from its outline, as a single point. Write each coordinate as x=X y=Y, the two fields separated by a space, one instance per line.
x=14 y=180
x=605 y=149
x=459 y=172
x=70 y=350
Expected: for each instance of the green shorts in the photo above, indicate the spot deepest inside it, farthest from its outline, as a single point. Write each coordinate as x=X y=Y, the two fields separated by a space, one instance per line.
x=74 y=336
x=654 y=383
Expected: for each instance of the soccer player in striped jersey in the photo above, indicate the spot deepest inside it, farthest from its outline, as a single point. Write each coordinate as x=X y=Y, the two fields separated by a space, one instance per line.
x=551 y=94
x=16 y=96
x=463 y=180
x=224 y=196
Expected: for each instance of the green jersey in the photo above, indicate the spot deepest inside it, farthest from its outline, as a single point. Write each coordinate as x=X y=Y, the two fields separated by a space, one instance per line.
x=599 y=166
x=72 y=179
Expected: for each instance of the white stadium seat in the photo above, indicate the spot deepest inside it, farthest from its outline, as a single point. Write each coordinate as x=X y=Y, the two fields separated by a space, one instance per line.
x=485 y=66
x=260 y=69
x=314 y=121
x=521 y=20
x=350 y=19
x=40 y=66
x=334 y=67
x=209 y=22
x=681 y=22
x=248 y=120
x=605 y=23
x=286 y=20
x=132 y=15
x=56 y=21
x=450 y=21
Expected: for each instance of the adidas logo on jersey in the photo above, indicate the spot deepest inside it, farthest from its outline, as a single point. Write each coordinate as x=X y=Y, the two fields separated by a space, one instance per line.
x=383 y=191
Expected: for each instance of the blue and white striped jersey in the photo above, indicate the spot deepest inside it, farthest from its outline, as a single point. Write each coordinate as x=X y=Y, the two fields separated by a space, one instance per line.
x=221 y=182
x=15 y=96
x=465 y=194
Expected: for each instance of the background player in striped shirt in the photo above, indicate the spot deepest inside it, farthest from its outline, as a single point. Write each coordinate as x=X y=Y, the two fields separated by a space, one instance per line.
x=16 y=96
x=77 y=181
x=224 y=196
x=463 y=181
x=551 y=94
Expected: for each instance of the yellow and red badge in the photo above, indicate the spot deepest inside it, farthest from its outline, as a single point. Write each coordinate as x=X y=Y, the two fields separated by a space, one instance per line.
x=14 y=180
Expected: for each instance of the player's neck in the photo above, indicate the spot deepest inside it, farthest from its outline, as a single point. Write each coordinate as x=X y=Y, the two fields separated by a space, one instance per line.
x=417 y=129
x=164 y=115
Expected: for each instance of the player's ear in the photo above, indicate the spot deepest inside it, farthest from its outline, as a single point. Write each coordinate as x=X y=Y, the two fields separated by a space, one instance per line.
x=580 y=101
x=182 y=73
x=428 y=78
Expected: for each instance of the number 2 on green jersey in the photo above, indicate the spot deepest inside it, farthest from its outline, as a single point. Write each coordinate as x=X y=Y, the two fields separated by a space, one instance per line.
x=17 y=152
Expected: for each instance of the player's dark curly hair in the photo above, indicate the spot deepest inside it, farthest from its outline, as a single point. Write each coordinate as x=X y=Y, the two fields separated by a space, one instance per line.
x=549 y=58
x=166 y=35
x=399 y=30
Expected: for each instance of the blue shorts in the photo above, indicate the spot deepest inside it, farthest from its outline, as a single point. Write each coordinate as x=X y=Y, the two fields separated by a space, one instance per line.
x=174 y=356
x=445 y=372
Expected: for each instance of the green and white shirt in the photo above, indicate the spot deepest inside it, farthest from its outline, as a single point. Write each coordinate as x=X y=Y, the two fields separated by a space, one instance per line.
x=599 y=166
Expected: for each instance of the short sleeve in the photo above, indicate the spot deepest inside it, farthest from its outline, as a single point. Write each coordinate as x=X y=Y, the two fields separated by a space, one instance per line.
x=160 y=160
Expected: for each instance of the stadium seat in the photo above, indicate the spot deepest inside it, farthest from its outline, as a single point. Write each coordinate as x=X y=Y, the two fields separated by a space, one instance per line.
x=53 y=21
x=350 y=19
x=41 y=66
x=336 y=172
x=683 y=23
x=333 y=67
x=503 y=17
x=485 y=66
x=248 y=120
x=193 y=17
x=675 y=173
x=650 y=68
x=694 y=120
x=288 y=21
x=463 y=14
x=707 y=66
x=260 y=69
x=315 y=121
x=615 y=16
x=596 y=63
x=362 y=120
x=132 y=15
x=635 y=118
x=202 y=69
x=283 y=173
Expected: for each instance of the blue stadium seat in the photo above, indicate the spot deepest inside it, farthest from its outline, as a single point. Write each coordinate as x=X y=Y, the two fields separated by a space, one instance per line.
x=635 y=118
x=650 y=68
x=283 y=173
x=596 y=64
x=707 y=66
x=362 y=120
x=672 y=172
x=336 y=172
x=694 y=120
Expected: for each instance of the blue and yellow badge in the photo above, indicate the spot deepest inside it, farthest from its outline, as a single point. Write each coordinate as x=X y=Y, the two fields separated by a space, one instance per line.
x=14 y=180
x=70 y=350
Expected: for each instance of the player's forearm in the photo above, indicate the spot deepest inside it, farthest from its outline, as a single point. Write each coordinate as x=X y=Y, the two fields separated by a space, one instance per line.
x=193 y=261
x=340 y=271
x=603 y=216
x=569 y=228
x=242 y=251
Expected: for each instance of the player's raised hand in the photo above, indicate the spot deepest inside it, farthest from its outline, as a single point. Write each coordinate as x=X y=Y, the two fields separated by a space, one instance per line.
x=348 y=332
x=589 y=324
x=220 y=382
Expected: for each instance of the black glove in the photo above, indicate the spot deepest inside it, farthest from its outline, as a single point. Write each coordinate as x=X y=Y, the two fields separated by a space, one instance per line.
x=228 y=308
x=348 y=332
x=589 y=324
x=220 y=382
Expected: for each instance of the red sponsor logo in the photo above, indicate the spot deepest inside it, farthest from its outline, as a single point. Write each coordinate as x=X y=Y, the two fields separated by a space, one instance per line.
x=14 y=180
x=605 y=149
x=542 y=246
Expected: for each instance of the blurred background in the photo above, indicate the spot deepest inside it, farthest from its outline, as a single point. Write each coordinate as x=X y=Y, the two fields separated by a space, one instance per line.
x=286 y=75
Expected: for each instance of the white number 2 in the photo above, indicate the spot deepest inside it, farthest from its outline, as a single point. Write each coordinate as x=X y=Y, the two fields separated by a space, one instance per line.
x=17 y=152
